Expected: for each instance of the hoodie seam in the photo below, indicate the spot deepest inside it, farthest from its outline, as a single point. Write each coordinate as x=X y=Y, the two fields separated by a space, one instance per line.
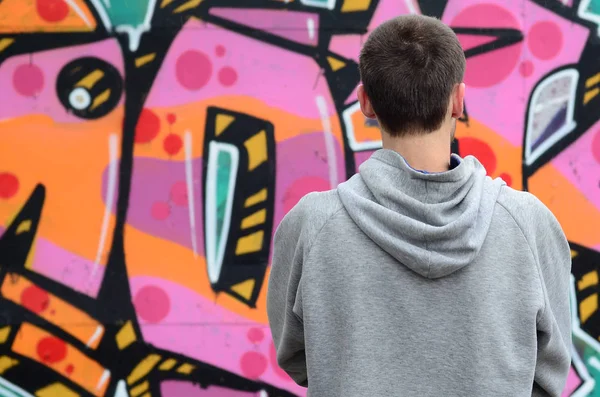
x=312 y=244
x=535 y=260
x=315 y=237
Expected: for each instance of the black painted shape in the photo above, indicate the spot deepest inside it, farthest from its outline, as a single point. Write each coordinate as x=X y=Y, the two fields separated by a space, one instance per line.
x=31 y=376
x=18 y=238
x=27 y=43
x=238 y=268
x=586 y=261
x=342 y=83
x=70 y=77
x=433 y=8
x=114 y=296
x=504 y=37
x=587 y=115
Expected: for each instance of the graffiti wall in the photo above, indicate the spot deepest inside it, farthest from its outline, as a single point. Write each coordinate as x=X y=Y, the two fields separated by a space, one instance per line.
x=149 y=148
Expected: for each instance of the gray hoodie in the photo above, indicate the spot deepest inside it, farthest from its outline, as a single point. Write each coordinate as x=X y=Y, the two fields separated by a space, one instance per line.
x=402 y=283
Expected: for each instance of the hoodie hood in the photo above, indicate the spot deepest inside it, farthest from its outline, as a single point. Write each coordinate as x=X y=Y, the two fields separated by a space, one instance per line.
x=435 y=224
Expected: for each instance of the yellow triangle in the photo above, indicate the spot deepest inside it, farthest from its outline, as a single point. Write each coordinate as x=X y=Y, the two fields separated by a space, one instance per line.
x=25 y=227
x=187 y=6
x=335 y=64
x=165 y=3
x=244 y=288
x=30 y=256
x=4 y=334
x=574 y=254
x=223 y=121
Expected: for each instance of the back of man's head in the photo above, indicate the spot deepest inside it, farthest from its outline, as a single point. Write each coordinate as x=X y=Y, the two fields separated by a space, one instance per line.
x=409 y=67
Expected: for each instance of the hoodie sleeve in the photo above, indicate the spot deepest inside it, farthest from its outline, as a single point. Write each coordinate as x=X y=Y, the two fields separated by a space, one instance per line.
x=552 y=253
x=283 y=297
x=291 y=246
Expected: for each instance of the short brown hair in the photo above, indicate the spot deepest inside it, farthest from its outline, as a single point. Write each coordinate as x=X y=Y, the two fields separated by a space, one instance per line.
x=409 y=67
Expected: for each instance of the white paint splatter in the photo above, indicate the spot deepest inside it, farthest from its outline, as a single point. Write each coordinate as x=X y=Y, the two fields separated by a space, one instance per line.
x=189 y=182
x=79 y=12
x=329 y=141
x=111 y=187
x=310 y=26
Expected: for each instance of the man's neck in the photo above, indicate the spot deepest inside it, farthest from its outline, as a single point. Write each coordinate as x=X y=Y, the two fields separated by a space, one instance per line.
x=429 y=152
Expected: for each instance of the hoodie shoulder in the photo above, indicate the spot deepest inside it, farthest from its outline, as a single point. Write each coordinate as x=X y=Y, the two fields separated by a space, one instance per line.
x=306 y=219
x=526 y=209
x=316 y=208
x=540 y=228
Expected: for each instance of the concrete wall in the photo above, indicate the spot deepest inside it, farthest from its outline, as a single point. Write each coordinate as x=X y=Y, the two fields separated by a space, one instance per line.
x=148 y=150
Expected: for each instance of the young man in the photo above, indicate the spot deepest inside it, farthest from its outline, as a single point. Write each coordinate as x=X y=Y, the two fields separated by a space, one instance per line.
x=420 y=276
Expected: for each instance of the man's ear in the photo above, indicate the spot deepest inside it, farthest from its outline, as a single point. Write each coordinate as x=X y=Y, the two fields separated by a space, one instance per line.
x=458 y=101
x=365 y=103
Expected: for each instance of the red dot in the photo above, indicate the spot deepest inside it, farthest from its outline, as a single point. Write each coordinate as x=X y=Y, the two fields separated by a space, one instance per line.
x=35 y=299
x=152 y=303
x=172 y=144
x=302 y=187
x=253 y=364
x=28 y=80
x=69 y=370
x=481 y=150
x=148 y=126
x=545 y=40
x=220 y=51
x=486 y=70
x=171 y=118
x=193 y=70
x=506 y=178
x=160 y=210
x=9 y=185
x=179 y=194
x=255 y=335
x=227 y=76
x=52 y=10
x=526 y=68
x=276 y=368
x=51 y=350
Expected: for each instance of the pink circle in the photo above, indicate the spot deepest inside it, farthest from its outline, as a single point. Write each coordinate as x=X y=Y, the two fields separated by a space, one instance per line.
x=596 y=146
x=526 y=68
x=220 y=51
x=152 y=303
x=545 y=40
x=255 y=335
x=302 y=187
x=28 y=80
x=276 y=368
x=227 y=76
x=253 y=364
x=160 y=210
x=490 y=68
x=178 y=193
x=193 y=69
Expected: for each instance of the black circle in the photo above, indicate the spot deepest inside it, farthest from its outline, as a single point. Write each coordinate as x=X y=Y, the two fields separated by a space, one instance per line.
x=101 y=81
